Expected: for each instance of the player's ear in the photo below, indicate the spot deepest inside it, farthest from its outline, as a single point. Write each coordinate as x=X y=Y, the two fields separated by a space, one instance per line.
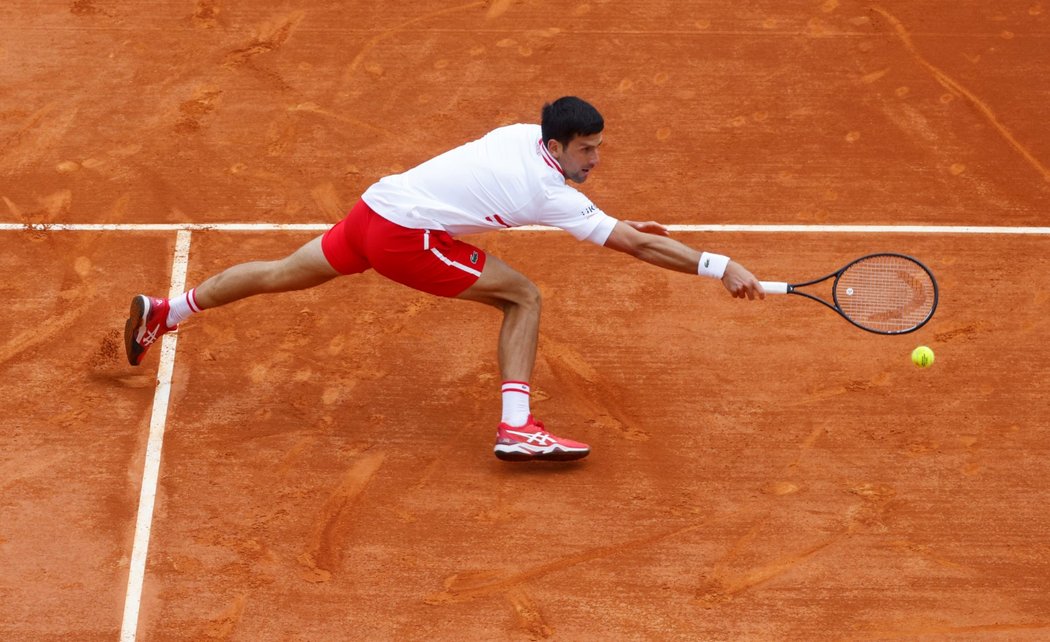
x=555 y=147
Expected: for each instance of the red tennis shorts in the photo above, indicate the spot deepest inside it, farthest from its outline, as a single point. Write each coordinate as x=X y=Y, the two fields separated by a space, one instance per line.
x=427 y=260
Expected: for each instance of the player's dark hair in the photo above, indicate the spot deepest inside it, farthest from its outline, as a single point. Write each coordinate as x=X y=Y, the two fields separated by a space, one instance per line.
x=569 y=117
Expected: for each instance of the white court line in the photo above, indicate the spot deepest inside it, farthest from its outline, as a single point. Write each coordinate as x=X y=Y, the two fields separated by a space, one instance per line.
x=865 y=229
x=165 y=227
x=321 y=227
x=151 y=470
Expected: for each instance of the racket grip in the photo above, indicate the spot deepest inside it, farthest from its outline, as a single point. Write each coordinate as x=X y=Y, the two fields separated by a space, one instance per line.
x=774 y=287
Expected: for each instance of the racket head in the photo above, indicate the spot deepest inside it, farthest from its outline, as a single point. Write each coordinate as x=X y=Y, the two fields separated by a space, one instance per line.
x=886 y=293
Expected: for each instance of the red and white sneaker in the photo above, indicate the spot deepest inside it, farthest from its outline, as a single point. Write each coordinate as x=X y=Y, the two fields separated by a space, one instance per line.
x=147 y=322
x=532 y=442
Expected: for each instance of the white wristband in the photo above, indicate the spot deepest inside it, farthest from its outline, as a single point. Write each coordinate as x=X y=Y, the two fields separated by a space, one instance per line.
x=713 y=265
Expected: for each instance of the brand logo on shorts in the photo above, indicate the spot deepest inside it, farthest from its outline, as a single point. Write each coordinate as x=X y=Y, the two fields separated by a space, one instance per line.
x=474 y=257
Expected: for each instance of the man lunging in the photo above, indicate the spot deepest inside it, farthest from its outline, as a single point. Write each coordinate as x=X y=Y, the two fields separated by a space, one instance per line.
x=405 y=228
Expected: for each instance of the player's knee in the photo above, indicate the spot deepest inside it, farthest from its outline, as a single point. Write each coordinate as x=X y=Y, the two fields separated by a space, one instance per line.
x=528 y=296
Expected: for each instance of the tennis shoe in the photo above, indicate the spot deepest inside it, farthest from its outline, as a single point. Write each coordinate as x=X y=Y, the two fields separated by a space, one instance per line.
x=532 y=442
x=147 y=322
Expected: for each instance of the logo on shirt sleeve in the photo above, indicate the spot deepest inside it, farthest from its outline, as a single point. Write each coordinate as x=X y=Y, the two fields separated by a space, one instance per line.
x=587 y=211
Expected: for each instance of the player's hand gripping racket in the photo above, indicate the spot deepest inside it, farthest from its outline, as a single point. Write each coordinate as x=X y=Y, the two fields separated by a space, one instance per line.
x=882 y=293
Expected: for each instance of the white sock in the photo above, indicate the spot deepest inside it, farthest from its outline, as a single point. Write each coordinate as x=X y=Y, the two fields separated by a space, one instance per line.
x=515 y=403
x=182 y=307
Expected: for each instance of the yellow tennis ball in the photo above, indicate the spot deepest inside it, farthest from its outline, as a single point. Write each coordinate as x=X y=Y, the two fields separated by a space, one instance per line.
x=922 y=357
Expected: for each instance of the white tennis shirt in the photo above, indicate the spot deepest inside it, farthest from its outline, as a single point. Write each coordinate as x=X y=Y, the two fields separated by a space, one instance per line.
x=507 y=178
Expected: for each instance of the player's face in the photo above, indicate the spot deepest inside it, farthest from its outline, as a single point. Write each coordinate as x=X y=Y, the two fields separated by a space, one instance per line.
x=579 y=157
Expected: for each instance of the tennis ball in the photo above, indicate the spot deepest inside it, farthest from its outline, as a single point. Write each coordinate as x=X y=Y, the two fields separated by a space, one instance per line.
x=922 y=357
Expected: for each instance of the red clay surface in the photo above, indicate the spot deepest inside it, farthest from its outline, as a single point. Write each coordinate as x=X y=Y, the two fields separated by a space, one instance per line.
x=761 y=471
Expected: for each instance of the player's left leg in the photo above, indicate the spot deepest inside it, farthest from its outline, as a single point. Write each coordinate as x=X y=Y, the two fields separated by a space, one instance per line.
x=151 y=317
x=305 y=268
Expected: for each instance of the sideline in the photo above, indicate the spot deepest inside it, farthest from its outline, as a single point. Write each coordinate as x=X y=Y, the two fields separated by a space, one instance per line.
x=151 y=469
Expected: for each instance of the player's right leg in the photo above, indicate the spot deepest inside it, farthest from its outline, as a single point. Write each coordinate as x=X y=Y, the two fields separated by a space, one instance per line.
x=152 y=317
x=432 y=261
x=520 y=436
x=503 y=287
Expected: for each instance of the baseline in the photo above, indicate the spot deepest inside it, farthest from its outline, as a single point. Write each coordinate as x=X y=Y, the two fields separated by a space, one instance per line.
x=321 y=227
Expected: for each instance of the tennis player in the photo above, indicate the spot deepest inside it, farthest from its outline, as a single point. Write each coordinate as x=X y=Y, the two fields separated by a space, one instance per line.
x=405 y=228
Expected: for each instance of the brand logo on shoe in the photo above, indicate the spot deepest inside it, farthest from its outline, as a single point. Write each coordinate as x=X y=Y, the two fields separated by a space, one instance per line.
x=151 y=336
x=540 y=438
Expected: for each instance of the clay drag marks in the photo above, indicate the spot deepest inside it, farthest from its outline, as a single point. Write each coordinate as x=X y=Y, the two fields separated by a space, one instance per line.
x=327 y=466
x=330 y=459
x=73 y=427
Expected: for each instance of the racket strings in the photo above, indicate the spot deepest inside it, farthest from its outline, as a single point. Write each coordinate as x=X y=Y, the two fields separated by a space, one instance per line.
x=886 y=293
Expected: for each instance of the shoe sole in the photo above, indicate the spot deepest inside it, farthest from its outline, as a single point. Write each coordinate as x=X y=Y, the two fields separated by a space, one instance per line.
x=557 y=455
x=136 y=317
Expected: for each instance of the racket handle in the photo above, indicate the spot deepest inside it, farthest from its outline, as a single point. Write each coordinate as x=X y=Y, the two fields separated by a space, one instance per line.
x=774 y=287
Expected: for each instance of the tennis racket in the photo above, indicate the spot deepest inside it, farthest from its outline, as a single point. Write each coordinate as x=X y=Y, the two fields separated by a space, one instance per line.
x=882 y=293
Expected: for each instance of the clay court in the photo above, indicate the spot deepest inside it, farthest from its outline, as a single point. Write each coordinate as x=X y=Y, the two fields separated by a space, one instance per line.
x=318 y=465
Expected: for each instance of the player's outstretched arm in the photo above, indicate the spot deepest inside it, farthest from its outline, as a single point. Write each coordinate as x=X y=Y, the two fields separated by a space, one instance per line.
x=650 y=242
x=650 y=227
